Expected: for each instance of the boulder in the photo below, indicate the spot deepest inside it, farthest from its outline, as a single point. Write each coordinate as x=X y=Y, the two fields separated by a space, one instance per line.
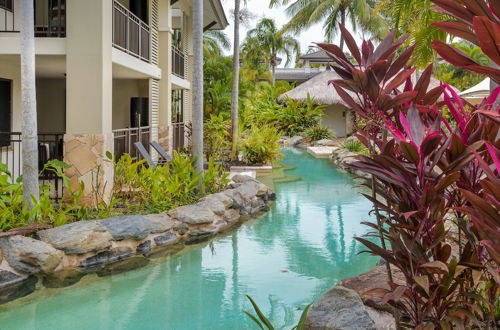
x=166 y=239
x=78 y=237
x=137 y=227
x=1 y=255
x=97 y=262
x=295 y=140
x=382 y=320
x=339 y=309
x=325 y=143
x=13 y=286
x=213 y=204
x=124 y=265
x=200 y=235
x=144 y=247
x=30 y=256
x=63 y=278
x=193 y=214
x=232 y=215
x=240 y=178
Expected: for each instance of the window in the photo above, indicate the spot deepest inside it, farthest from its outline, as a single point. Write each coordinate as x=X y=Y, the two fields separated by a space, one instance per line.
x=177 y=106
x=5 y=111
x=6 y=4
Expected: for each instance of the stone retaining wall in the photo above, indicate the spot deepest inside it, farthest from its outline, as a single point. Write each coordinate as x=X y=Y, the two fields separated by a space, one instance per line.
x=61 y=256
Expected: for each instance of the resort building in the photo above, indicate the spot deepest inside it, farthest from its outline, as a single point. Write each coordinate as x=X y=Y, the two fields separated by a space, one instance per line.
x=109 y=73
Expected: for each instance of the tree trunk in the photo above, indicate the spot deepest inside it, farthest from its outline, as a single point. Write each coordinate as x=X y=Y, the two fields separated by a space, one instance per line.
x=28 y=94
x=236 y=80
x=342 y=20
x=198 y=84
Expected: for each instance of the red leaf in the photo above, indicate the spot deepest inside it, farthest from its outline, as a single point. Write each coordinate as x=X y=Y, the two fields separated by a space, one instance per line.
x=337 y=53
x=458 y=29
x=400 y=62
x=351 y=44
x=488 y=34
x=495 y=156
x=454 y=9
x=423 y=83
x=451 y=54
x=398 y=80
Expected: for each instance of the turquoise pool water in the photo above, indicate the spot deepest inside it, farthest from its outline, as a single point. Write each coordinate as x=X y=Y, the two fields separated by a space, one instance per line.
x=284 y=260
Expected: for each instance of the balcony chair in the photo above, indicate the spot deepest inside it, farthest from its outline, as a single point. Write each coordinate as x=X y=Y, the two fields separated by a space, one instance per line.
x=163 y=154
x=145 y=154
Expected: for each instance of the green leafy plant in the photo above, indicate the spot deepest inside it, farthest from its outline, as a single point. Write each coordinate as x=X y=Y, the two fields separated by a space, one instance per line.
x=354 y=145
x=317 y=132
x=217 y=137
x=261 y=145
x=263 y=322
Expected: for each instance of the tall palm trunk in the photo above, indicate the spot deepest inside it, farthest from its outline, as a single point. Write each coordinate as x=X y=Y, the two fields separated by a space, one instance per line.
x=198 y=84
x=342 y=20
x=236 y=80
x=28 y=93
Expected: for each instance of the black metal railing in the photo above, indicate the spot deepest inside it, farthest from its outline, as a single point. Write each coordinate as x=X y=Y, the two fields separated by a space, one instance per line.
x=130 y=33
x=53 y=23
x=125 y=138
x=179 y=136
x=50 y=147
x=178 y=63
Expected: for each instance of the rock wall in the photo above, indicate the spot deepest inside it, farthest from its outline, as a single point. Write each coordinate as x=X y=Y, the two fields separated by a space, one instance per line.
x=61 y=256
x=342 y=158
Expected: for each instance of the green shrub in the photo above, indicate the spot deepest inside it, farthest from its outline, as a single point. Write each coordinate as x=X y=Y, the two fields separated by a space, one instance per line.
x=354 y=145
x=261 y=145
x=217 y=137
x=136 y=189
x=290 y=118
x=317 y=132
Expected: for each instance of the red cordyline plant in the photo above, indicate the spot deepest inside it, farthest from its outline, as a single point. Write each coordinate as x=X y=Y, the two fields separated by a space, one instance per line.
x=429 y=176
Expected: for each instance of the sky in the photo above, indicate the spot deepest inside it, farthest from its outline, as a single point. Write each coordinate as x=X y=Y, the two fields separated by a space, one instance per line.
x=260 y=8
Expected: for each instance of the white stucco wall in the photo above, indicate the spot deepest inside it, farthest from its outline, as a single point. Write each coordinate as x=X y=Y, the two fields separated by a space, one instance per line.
x=335 y=119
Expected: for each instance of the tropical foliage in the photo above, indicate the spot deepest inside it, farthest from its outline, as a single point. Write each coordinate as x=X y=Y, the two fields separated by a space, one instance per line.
x=136 y=189
x=429 y=177
x=265 y=42
x=260 y=145
x=360 y=13
x=317 y=132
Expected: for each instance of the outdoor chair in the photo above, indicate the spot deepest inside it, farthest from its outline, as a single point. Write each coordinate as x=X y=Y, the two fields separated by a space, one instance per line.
x=163 y=154
x=145 y=154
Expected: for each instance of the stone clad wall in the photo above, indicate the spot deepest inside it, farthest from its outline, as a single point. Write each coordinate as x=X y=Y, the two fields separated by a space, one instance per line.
x=61 y=256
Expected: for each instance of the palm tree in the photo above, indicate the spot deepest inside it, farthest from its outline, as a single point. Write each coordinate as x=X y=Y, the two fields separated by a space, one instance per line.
x=332 y=12
x=415 y=17
x=265 y=42
x=29 y=128
x=197 y=129
x=214 y=43
x=236 y=81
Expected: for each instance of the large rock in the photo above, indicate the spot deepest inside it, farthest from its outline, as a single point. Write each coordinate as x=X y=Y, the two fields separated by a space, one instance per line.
x=325 y=143
x=97 y=262
x=166 y=239
x=137 y=227
x=13 y=286
x=124 y=266
x=78 y=237
x=30 y=256
x=214 y=204
x=339 y=309
x=63 y=278
x=293 y=141
x=193 y=214
x=382 y=320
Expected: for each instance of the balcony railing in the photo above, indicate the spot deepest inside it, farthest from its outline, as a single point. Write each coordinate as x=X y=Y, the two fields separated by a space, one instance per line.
x=50 y=147
x=130 y=33
x=53 y=25
x=126 y=137
x=178 y=63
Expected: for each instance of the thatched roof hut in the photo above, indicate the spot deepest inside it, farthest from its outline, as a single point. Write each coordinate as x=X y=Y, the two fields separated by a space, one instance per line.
x=318 y=89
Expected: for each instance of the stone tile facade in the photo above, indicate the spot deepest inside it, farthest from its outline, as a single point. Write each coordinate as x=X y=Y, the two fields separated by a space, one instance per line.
x=86 y=154
x=164 y=137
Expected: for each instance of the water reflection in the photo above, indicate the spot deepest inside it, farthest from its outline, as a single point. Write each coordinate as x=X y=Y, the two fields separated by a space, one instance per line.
x=284 y=261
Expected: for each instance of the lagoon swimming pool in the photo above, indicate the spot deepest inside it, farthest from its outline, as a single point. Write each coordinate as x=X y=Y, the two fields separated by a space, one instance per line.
x=284 y=260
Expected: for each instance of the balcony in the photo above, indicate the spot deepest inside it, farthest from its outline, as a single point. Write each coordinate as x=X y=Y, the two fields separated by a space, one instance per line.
x=130 y=33
x=178 y=63
x=126 y=137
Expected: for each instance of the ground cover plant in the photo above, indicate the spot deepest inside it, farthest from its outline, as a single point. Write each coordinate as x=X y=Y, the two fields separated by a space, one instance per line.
x=431 y=178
